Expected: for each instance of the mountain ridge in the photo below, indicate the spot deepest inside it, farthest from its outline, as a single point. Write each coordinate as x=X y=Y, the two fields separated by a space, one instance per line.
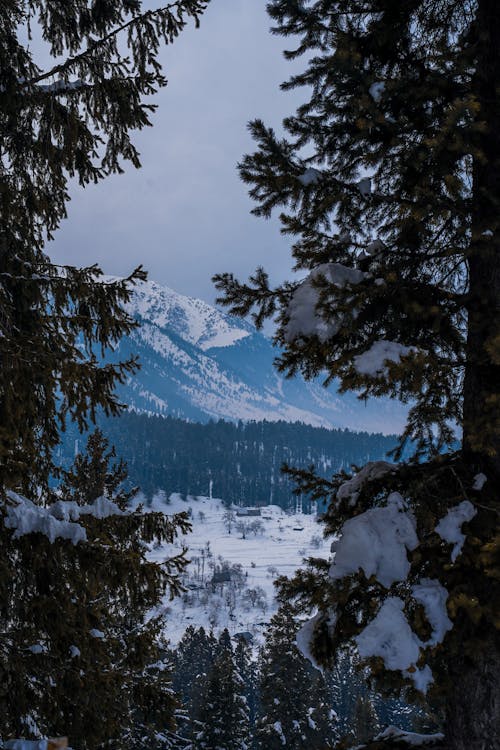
x=200 y=363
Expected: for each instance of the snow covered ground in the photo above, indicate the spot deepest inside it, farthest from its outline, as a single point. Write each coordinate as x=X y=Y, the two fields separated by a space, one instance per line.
x=219 y=593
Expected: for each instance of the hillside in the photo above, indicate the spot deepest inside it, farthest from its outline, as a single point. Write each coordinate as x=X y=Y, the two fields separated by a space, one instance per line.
x=239 y=462
x=199 y=363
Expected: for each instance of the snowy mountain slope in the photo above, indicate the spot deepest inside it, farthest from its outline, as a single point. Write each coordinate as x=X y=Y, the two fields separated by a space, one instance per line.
x=192 y=319
x=200 y=363
x=233 y=600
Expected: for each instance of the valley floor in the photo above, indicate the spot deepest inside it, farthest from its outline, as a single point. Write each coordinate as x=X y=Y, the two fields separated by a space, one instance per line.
x=234 y=563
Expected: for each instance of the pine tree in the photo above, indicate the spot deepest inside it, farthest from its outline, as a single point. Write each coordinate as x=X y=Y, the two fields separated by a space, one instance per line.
x=93 y=476
x=291 y=712
x=70 y=120
x=223 y=723
x=193 y=662
x=80 y=653
x=246 y=668
x=389 y=178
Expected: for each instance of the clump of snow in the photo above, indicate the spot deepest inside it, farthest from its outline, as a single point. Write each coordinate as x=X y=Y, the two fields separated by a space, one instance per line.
x=450 y=527
x=279 y=731
x=96 y=633
x=27 y=518
x=376 y=542
x=38 y=648
x=310 y=176
x=479 y=482
x=411 y=738
x=374 y=361
x=26 y=745
x=433 y=597
x=303 y=318
x=351 y=489
x=390 y=637
x=74 y=651
x=310 y=719
x=303 y=639
x=374 y=247
x=365 y=186
x=376 y=90
x=58 y=521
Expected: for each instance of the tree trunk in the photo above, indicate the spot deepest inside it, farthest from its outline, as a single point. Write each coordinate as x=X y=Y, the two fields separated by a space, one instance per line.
x=481 y=424
x=473 y=704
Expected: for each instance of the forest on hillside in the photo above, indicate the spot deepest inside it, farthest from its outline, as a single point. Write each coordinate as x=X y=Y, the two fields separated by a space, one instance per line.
x=241 y=463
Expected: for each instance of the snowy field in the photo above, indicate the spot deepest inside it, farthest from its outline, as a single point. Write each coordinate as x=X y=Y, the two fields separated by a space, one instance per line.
x=219 y=594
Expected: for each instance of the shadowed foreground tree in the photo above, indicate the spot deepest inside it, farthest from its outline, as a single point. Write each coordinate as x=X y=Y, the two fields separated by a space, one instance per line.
x=71 y=120
x=81 y=625
x=79 y=636
x=389 y=175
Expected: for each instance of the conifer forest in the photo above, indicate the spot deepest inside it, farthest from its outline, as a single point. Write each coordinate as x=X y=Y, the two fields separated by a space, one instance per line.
x=266 y=515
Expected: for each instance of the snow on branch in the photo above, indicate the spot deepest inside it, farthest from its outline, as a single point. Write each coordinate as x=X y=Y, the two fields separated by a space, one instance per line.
x=303 y=316
x=410 y=738
x=351 y=489
x=58 y=521
x=374 y=362
x=376 y=542
x=390 y=637
x=450 y=527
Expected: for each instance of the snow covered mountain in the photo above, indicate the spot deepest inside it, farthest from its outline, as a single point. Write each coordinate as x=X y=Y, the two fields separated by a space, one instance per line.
x=199 y=363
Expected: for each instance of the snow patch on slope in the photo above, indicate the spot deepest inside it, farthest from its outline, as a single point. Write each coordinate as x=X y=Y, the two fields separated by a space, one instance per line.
x=192 y=319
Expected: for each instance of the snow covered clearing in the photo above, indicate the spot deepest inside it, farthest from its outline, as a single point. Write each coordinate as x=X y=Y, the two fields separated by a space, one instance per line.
x=219 y=593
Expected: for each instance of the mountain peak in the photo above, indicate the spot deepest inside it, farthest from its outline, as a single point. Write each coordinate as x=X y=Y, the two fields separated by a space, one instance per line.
x=192 y=319
x=199 y=363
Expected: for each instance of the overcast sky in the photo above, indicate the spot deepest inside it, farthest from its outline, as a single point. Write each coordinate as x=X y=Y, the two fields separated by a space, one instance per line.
x=186 y=215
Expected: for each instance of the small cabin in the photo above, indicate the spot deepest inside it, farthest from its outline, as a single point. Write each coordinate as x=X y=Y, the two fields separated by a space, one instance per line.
x=245 y=635
x=248 y=512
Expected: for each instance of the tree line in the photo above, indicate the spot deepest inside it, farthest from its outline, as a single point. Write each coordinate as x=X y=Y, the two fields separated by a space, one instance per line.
x=238 y=462
x=240 y=698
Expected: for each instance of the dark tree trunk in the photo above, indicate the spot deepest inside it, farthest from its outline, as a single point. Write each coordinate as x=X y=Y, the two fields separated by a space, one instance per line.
x=473 y=710
x=482 y=377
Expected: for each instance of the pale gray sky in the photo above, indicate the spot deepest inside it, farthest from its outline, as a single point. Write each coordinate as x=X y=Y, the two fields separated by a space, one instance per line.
x=186 y=215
